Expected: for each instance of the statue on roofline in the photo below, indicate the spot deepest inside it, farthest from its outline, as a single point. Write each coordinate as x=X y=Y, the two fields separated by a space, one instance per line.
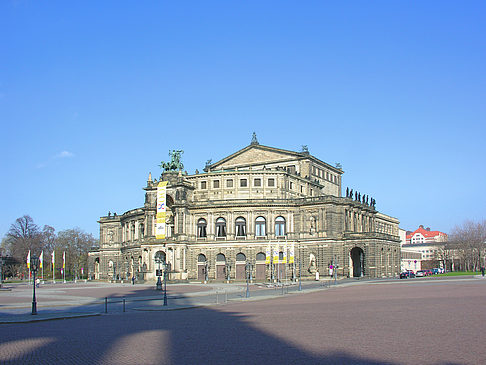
x=175 y=163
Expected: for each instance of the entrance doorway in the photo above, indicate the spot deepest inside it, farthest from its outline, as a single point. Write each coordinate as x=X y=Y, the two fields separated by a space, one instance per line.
x=201 y=267
x=357 y=258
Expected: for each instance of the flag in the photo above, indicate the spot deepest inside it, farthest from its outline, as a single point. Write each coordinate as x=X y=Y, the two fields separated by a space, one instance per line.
x=28 y=260
x=64 y=260
x=53 y=260
x=41 y=258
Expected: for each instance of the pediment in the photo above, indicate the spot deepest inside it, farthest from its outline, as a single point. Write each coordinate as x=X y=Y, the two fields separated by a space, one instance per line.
x=255 y=155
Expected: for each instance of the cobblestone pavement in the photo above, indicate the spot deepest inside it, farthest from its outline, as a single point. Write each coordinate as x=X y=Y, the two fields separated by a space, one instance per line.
x=377 y=322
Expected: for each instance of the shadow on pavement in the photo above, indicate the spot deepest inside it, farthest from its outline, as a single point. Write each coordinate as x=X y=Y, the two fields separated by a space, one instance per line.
x=194 y=336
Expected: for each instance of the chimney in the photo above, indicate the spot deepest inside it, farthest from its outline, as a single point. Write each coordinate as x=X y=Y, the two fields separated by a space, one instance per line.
x=428 y=229
x=421 y=226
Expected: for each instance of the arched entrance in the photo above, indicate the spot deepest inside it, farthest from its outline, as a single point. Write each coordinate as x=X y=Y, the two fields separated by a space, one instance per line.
x=202 y=267
x=160 y=260
x=261 y=266
x=220 y=266
x=97 y=268
x=240 y=266
x=357 y=260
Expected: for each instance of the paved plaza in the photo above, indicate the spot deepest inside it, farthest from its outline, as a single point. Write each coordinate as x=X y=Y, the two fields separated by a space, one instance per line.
x=423 y=321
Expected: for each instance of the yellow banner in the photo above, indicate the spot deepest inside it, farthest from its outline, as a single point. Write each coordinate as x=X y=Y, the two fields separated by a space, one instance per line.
x=268 y=255
x=292 y=254
x=275 y=255
x=160 y=230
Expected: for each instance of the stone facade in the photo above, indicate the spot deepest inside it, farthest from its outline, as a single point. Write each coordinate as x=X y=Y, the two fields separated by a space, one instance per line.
x=222 y=224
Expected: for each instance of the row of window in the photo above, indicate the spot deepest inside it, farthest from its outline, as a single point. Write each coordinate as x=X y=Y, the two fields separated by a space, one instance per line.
x=240 y=257
x=240 y=227
x=324 y=174
x=257 y=182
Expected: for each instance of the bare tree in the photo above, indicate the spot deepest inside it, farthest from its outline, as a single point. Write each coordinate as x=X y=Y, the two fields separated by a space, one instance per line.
x=23 y=235
x=469 y=241
x=76 y=244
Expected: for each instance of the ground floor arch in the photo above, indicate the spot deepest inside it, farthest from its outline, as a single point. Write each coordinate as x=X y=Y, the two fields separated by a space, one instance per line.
x=357 y=267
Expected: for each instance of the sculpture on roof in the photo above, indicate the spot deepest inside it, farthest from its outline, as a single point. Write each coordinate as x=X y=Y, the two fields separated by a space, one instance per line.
x=175 y=163
x=305 y=149
x=254 y=139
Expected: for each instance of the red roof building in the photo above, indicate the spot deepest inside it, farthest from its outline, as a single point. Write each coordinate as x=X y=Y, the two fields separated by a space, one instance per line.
x=425 y=235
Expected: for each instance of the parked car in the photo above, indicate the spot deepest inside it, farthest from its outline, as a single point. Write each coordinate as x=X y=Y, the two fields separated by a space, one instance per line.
x=429 y=272
x=407 y=274
x=436 y=271
x=421 y=273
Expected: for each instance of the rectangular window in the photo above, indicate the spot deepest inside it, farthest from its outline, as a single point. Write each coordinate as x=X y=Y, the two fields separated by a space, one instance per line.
x=203 y=185
x=243 y=183
x=257 y=182
x=229 y=183
x=291 y=185
x=271 y=182
x=216 y=184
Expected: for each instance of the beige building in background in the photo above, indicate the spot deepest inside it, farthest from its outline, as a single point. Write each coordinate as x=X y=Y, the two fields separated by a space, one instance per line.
x=251 y=213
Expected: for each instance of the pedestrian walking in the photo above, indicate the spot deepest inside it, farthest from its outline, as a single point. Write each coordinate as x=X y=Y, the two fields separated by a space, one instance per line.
x=133 y=280
x=482 y=270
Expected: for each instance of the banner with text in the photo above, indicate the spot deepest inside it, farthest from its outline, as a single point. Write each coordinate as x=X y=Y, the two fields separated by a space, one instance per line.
x=161 y=210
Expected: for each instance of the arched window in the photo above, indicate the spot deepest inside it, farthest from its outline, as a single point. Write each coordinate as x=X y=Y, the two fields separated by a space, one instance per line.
x=240 y=226
x=201 y=227
x=220 y=257
x=240 y=257
x=201 y=258
x=280 y=226
x=281 y=255
x=220 y=227
x=260 y=256
x=260 y=225
x=160 y=256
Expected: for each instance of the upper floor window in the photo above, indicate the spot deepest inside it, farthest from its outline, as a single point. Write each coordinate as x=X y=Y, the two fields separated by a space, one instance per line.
x=260 y=226
x=271 y=182
x=204 y=185
x=229 y=183
x=201 y=227
x=280 y=226
x=216 y=184
x=243 y=183
x=240 y=226
x=257 y=182
x=260 y=256
x=220 y=227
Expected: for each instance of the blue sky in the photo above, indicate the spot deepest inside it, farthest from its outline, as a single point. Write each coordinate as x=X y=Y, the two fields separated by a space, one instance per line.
x=94 y=94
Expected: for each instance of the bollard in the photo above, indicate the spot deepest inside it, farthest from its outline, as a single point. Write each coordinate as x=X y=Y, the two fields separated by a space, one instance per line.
x=123 y=305
x=106 y=304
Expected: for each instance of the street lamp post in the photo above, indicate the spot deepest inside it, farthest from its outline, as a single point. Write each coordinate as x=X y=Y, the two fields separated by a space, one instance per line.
x=248 y=276
x=206 y=272
x=166 y=266
x=34 y=264
x=228 y=272
x=2 y=261
x=158 y=261
x=300 y=272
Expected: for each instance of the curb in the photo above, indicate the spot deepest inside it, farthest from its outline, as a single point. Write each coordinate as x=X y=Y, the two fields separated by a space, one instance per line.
x=41 y=318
